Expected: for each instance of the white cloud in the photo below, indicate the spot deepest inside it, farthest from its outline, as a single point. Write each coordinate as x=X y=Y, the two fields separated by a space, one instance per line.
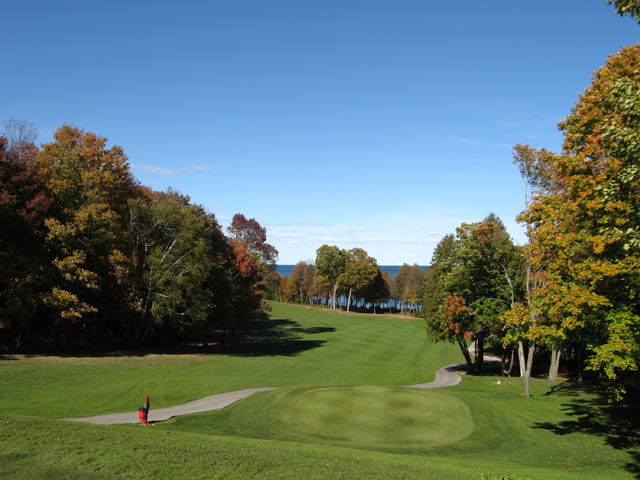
x=392 y=237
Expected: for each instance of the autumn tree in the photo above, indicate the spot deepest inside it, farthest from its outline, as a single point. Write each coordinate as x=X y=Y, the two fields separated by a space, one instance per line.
x=296 y=286
x=309 y=282
x=359 y=273
x=254 y=237
x=487 y=274
x=249 y=241
x=408 y=285
x=23 y=258
x=400 y=284
x=331 y=262
x=446 y=314
x=301 y=283
x=283 y=283
x=584 y=223
x=627 y=7
x=472 y=281
x=246 y=281
x=88 y=256
x=272 y=285
x=90 y=185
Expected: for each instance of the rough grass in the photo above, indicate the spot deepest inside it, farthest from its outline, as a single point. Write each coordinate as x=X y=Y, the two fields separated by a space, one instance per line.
x=333 y=364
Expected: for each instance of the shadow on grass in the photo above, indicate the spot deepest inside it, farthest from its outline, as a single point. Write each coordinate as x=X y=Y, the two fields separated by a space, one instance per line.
x=267 y=336
x=618 y=425
x=257 y=336
x=95 y=352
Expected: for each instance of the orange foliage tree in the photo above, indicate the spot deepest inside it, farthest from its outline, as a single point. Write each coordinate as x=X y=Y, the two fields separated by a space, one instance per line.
x=584 y=224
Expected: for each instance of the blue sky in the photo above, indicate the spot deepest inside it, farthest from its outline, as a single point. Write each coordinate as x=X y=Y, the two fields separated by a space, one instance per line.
x=378 y=124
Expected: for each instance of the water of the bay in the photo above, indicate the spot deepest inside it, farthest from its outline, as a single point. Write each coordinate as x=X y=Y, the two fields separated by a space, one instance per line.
x=392 y=269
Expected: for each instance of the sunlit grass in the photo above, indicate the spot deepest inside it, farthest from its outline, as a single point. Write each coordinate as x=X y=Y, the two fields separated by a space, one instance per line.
x=333 y=365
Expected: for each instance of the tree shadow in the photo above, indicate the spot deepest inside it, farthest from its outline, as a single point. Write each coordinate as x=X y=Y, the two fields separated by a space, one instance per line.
x=617 y=424
x=260 y=335
x=95 y=352
x=313 y=330
x=266 y=336
x=490 y=368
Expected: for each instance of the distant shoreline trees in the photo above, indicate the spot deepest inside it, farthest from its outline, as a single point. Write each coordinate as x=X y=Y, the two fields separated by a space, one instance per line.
x=354 y=280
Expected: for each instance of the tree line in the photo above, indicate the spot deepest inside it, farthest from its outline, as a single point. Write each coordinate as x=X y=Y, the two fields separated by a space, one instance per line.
x=573 y=290
x=351 y=279
x=89 y=257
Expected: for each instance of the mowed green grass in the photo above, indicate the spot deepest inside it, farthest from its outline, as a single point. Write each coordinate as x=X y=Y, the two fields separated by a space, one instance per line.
x=333 y=365
x=296 y=347
x=544 y=436
x=52 y=449
x=370 y=417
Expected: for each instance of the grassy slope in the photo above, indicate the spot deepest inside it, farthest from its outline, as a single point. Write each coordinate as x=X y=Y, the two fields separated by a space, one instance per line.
x=48 y=449
x=511 y=434
x=320 y=348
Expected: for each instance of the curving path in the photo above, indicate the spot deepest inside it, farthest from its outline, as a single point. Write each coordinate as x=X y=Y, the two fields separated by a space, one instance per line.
x=446 y=376
x=206 y=404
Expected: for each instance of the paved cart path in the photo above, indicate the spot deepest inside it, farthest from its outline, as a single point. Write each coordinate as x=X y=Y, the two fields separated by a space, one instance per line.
x=206 y=404
x=447 y=376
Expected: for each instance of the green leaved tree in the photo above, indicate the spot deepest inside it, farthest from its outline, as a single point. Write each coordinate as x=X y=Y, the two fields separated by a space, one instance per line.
x=331 y=262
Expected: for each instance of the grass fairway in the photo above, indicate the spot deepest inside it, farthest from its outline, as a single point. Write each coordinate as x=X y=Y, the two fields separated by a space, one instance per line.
x=333 y=365
x=296 y=346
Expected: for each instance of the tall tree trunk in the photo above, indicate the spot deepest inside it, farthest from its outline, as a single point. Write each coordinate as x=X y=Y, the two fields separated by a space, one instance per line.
x=205 y=329
x=580 y=363
x=507 y=371
x=467 y=356
x=532 y=347
x=335 y=289
x=555 y=364
x=521 y=359
x=349 y=300
x=527 y=373
x=479 y=360
x=143 y=327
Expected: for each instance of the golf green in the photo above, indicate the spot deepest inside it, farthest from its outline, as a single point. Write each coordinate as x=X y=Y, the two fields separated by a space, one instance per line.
x=370 y=417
